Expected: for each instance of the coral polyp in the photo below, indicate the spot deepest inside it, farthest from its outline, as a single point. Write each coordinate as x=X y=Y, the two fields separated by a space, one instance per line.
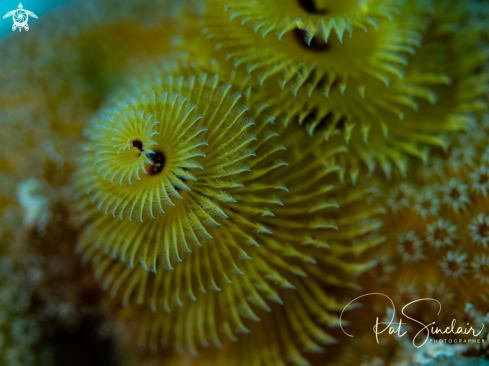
x=410 y=247
x=479 y=230
x=481 y=268
x=441 y=233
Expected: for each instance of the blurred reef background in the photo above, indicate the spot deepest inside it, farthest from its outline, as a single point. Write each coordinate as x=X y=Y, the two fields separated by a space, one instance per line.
x=212 y=182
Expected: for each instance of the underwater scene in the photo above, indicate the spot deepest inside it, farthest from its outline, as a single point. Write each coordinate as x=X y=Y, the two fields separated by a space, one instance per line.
x=244 y=183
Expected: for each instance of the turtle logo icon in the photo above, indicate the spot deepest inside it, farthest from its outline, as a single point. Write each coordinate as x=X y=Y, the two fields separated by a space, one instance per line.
x=20 y=17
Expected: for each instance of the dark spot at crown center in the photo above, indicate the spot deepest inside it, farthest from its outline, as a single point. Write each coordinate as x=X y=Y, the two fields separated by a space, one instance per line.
x=159 y=160
x=312 y=6
x=137 y=144
x=317 y=42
